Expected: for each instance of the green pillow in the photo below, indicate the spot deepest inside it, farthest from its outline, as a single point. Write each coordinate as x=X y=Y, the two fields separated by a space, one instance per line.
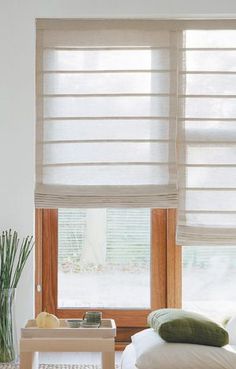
x=176 y=325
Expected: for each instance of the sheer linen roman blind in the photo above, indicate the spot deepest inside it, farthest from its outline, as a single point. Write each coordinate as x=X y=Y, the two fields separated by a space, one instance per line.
x=106 y=114
x=207 y=138
x=117 y=99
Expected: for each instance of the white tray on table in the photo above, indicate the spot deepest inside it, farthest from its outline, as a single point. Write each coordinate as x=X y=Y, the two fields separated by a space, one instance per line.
x=107 y=329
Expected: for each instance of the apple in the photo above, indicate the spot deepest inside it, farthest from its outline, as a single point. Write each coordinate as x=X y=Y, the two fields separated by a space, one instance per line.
x=46 y=320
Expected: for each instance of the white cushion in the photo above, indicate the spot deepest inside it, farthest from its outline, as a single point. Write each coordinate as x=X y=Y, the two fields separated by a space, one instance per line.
x=154 y=353
x=231 y=329
x=128 y=358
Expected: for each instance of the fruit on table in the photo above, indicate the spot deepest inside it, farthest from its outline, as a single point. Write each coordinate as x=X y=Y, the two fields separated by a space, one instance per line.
x=46 y=320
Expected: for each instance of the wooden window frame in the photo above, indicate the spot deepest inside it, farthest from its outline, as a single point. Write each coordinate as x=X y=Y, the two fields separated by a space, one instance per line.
x=165 y=271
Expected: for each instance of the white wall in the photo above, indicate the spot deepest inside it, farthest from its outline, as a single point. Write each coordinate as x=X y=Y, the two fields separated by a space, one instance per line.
x=17 y=105
x=17 y=131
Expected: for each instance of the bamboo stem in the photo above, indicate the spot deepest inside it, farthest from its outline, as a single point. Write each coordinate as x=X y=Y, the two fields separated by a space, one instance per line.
x=12 y=262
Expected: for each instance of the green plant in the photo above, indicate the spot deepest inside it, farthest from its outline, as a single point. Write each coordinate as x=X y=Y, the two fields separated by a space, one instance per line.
x=13 y=257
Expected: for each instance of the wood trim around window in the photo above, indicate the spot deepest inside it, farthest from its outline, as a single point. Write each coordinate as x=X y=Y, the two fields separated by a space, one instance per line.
x=165 y=272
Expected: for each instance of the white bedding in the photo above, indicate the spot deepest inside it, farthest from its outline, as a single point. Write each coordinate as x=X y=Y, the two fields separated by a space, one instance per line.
x=177 y=357
x=128 y=358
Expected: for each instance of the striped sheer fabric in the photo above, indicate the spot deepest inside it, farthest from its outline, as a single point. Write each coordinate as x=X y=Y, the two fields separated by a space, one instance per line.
x=106 y=114
x=207 y=139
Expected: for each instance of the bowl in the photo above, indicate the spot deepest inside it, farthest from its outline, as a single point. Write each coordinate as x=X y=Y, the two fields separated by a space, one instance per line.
x=74 y=323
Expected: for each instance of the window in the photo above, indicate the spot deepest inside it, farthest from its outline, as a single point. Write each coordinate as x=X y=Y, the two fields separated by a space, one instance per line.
x=104 y=258
x=122 y=108
x=209 y=277
x=105 y=161
x=146 y=260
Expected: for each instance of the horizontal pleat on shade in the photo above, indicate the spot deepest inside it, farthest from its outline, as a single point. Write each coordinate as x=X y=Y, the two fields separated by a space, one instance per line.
x=105 y=196
x=106 y=114
x=207 y=139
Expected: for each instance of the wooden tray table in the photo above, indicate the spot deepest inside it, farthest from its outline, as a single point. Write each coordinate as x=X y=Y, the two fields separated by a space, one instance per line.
x=66 y=339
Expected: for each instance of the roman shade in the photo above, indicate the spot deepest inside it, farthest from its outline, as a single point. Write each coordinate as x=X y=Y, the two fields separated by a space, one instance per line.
x=132 y=113
x=106 y=114
x=207 y=138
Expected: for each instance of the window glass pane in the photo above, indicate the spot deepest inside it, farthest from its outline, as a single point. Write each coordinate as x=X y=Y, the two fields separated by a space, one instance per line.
x=104 y=258
x=209 y=279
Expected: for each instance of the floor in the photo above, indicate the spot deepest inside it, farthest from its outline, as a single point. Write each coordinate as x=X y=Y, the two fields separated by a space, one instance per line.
x=73 y=358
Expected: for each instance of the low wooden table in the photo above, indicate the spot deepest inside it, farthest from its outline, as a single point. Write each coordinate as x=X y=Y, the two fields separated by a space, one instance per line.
x=66 y=339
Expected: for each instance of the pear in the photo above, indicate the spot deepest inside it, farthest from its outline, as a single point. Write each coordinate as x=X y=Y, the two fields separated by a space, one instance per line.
x=46 y=320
